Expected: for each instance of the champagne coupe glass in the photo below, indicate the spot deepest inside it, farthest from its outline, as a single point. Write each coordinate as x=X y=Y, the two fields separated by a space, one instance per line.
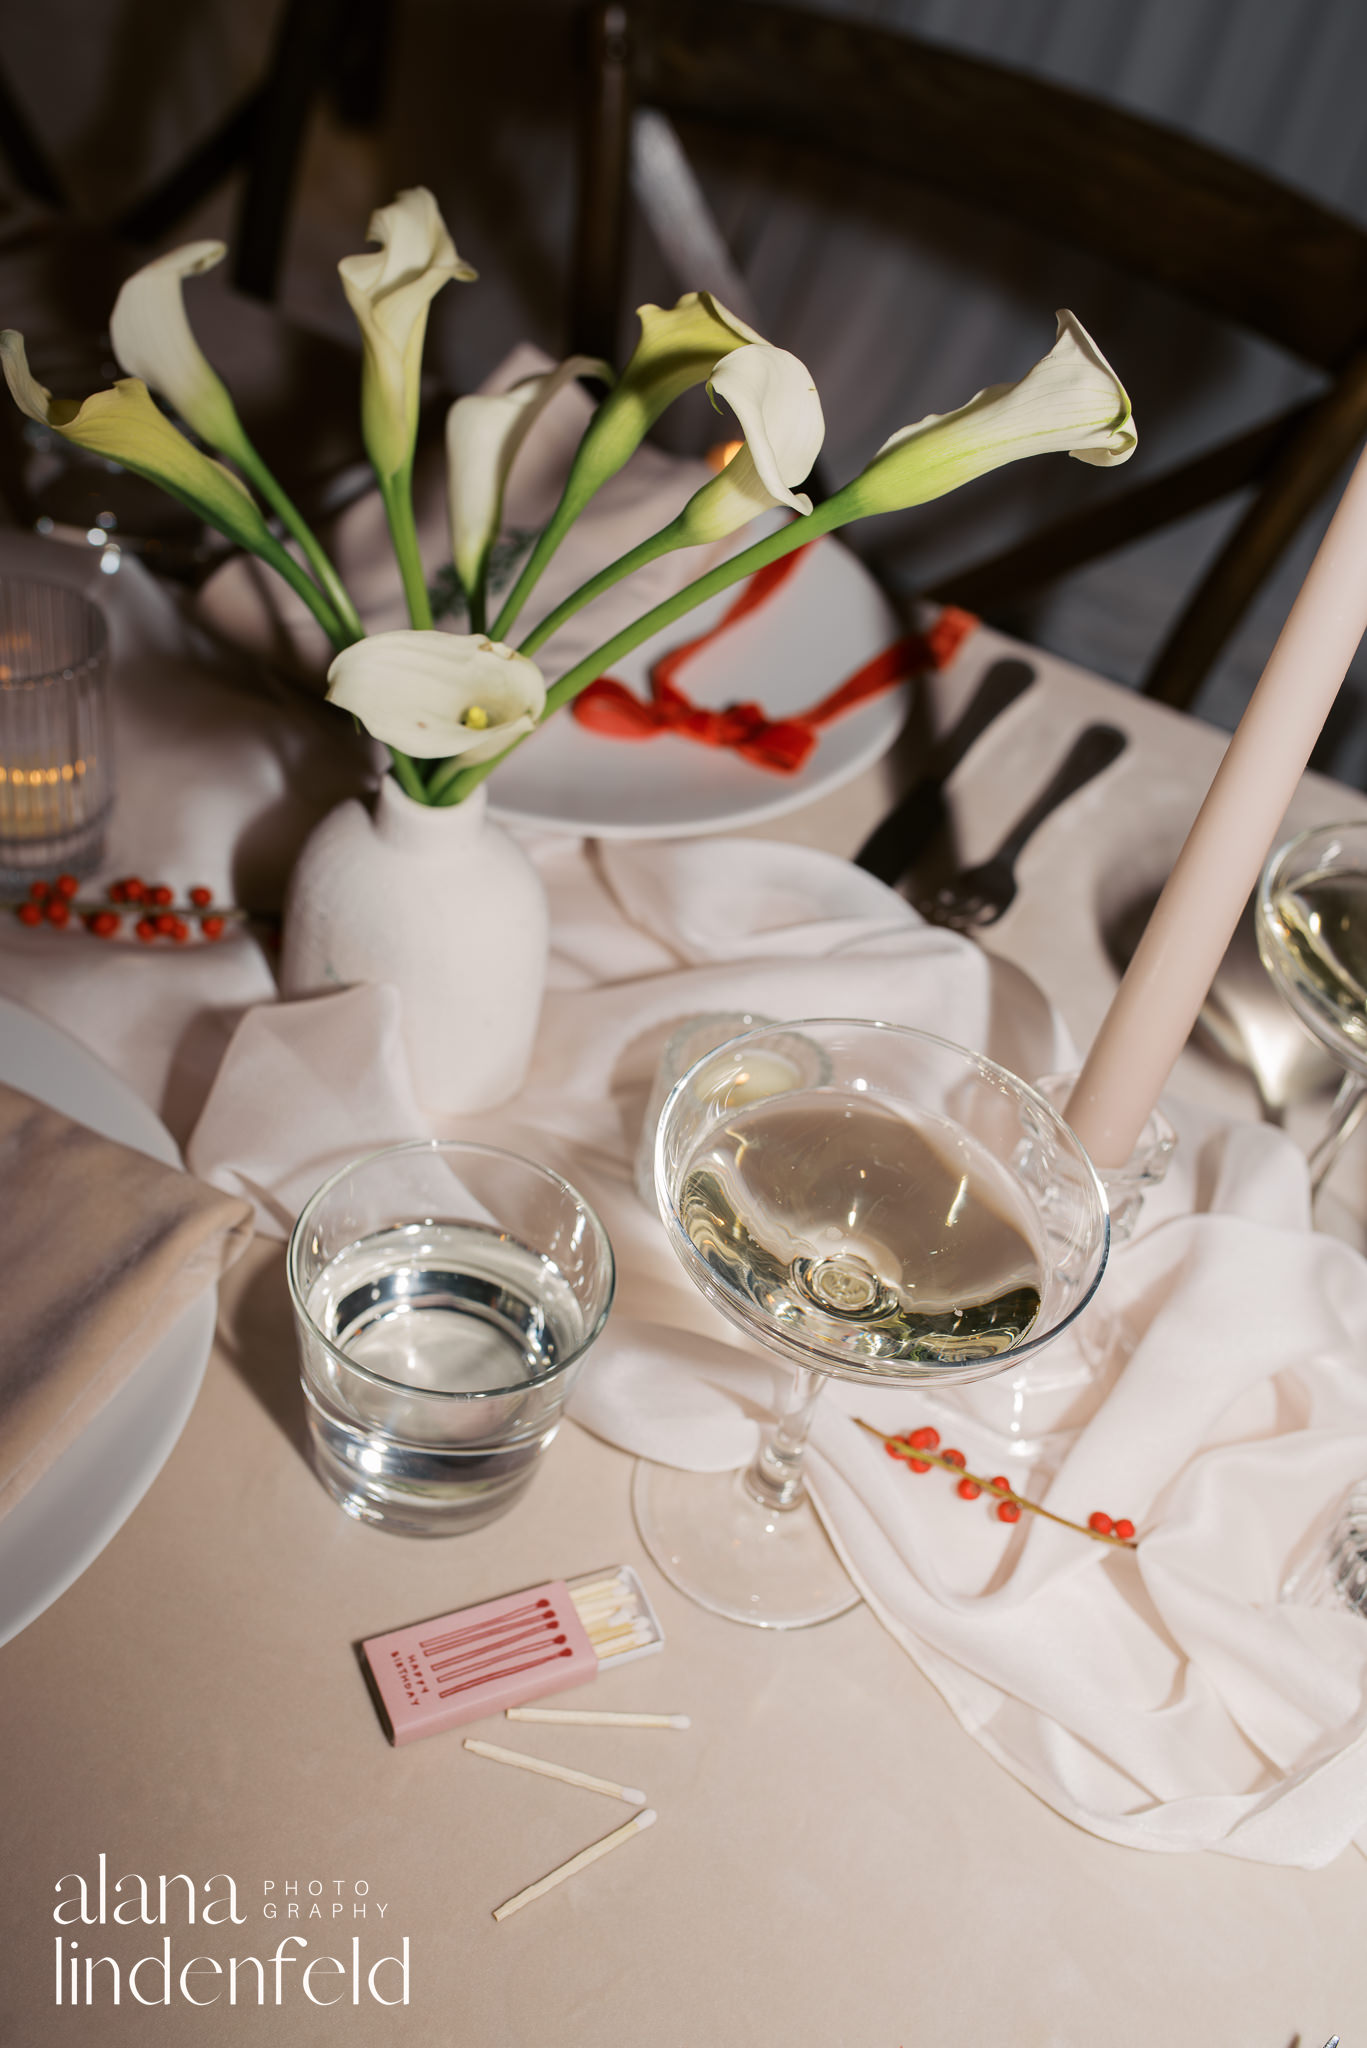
x=919 y=1217
x=1311 y=920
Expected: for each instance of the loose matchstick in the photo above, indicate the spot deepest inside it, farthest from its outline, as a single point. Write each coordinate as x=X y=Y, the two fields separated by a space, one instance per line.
x=635 y=1826
x=522 y=1762
x=585 y=1717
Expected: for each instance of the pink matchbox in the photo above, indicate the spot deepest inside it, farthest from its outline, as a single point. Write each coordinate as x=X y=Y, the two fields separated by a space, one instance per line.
x=462 y=1666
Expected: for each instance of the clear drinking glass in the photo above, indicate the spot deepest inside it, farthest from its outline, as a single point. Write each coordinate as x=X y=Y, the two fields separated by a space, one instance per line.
x=55 y=787
x=445 y=1296
x=921 y=1217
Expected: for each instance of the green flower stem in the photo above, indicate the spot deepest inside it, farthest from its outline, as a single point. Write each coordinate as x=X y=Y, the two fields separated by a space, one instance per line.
x=397 y=492
x=451 y=782
x=661 y=543
x=280 y=502
x=409 y=776
x=562 y=519
x=284 y=564
x=476 y=607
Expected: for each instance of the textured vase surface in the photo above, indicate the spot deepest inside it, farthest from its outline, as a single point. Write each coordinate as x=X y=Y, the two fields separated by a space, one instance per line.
x=446 y=907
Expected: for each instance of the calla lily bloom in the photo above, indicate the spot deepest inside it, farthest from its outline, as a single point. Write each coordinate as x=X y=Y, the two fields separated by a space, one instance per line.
x=1071 y=403
x=483 y=435
x=680 y=346
x=153 y=340
x=125 y=425
x=389 y=290
x=435 y=695
x=776 y=404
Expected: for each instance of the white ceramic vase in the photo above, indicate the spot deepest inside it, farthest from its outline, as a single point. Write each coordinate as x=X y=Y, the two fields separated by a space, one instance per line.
x=447 y=908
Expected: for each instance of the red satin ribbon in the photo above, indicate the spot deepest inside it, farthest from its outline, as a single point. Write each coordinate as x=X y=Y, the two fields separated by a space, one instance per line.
x=781 y=744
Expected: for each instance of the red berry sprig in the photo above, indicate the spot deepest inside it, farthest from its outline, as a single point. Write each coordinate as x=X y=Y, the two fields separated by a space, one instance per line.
x=919 y=1449
x=152 y=907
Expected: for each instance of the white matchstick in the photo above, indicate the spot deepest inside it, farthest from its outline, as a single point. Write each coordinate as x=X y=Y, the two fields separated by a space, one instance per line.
x=583 y=1717
x=634 y=1826
x=522 y=1762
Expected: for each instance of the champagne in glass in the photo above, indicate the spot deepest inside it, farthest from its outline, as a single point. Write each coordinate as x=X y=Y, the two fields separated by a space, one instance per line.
x=919 y=1216
x=1311 y=920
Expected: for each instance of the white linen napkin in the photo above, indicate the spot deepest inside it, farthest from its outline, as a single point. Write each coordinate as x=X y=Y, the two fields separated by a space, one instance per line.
x=1166 y=1699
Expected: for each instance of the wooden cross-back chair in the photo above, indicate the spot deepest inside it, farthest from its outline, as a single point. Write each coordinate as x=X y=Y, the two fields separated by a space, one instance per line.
x=1212 y=232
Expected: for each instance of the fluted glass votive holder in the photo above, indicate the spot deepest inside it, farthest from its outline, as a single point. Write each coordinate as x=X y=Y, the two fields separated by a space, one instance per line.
x=1127 y=1185
x=55 y=783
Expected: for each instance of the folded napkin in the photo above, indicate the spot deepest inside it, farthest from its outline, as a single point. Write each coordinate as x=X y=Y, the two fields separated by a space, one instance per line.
x=104 y=1249
x=1165 y=1699
x=249 y=606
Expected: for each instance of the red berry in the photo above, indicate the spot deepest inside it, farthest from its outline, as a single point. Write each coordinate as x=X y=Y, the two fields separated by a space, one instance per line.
x=161 y=895
x=116 y=893
x=104 y=923
x=201 y=898
x=924 y=1439
x=1000 y=1485
x=180 y=931
x=66 y=885
x=955 y=1458
x=212 y=927
x=1101 y=1523
x=165 y=923
x=1124 y=1530
x=146 y=930
x=919 y=1464
x=134 y=891
x=30 y=913
x=966 y=1490
x=39 y=891
x=57 y=910
x=1008 y=1511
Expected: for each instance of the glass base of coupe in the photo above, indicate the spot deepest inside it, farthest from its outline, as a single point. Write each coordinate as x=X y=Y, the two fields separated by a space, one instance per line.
x=450 y=706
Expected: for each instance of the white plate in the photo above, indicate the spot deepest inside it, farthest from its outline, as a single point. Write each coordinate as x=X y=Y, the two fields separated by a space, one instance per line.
x=814 y=632
x=65 y=1520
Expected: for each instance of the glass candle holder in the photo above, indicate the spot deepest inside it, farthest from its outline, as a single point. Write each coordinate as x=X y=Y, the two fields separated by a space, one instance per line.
x=55 y=786
x=1146 y=1166
x=1330 y=1567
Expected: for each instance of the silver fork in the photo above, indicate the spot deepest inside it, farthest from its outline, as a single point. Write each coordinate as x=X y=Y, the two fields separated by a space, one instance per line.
x=978 y=896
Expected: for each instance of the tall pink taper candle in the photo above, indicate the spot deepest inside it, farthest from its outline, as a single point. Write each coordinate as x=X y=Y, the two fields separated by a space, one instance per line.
x=1195 y=917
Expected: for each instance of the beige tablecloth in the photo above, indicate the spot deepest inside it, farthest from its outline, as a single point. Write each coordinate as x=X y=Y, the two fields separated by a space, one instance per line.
x=836 y=1861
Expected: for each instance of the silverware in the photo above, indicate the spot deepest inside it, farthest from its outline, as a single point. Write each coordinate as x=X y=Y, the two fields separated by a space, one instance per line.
x=978 y=896
x=894 y=845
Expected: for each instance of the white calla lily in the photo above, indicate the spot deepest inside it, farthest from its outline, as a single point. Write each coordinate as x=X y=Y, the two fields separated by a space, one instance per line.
x=680 y=346
x=775 y=402
x=390 y=290
x=153 y=340
x=436 y=695
x=1070 y=403
x=125 y=425
x=483 y=435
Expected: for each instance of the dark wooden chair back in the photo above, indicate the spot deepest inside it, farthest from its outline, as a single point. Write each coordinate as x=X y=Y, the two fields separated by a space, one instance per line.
x=1210 y=231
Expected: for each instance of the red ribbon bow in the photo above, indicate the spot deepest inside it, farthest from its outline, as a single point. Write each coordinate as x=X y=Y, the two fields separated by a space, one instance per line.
x=781 y=744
